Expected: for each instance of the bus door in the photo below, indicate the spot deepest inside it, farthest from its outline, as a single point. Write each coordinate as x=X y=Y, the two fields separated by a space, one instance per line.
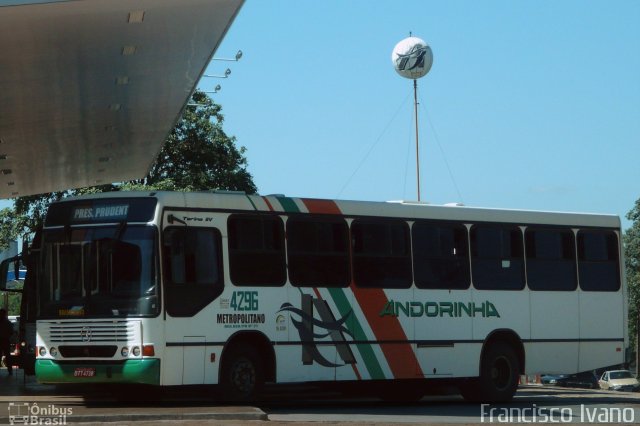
x=193 y=280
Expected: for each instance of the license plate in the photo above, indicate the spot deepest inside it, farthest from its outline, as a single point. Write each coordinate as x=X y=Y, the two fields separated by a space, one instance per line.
x=84 y=372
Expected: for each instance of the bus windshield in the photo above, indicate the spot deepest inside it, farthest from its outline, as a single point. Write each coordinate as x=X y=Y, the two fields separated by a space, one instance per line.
x=106 y=271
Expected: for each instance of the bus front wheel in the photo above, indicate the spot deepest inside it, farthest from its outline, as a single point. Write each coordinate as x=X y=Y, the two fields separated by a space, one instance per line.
x=498 y=379
x=242 y=373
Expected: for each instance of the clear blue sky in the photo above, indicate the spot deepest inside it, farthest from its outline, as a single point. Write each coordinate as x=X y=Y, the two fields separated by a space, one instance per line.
x=531 y=104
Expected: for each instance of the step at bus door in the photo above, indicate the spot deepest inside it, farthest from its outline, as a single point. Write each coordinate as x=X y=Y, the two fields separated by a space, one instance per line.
x=193 y=360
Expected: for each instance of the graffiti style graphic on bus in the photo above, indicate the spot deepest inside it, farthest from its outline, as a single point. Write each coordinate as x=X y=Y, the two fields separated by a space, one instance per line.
x=333 y=328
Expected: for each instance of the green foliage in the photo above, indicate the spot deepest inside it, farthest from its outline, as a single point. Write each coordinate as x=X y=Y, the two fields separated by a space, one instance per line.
x=13 y=302
x=197 y=156
x=9 y=227
x=632 y=261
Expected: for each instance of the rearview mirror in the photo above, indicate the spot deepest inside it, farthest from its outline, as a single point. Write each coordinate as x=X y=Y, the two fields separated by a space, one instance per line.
x=10 y=277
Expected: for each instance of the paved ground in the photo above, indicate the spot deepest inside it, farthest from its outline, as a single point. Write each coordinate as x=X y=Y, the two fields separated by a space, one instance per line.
x=298 y=405
x=20 y=396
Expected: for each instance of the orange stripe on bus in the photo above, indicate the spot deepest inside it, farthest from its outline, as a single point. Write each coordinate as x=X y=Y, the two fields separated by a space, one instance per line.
x=268 y=203
x=321 y=206
x=400 y=356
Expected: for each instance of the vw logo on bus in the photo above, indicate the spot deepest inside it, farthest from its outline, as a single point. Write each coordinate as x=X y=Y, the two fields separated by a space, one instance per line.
x=85 y=334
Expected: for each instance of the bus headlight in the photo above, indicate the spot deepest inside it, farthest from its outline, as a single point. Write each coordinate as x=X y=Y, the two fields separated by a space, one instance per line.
x=124 y=352
x=135 y=351
x=53 y=352
x=42 y=351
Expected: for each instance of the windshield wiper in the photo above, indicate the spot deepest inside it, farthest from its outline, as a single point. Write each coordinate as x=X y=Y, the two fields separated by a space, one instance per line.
x=122 y=226
x=67 y=234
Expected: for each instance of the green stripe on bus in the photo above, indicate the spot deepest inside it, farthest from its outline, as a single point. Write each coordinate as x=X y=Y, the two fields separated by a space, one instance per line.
x=366 y=351
x=288 y=204
x=252 y=203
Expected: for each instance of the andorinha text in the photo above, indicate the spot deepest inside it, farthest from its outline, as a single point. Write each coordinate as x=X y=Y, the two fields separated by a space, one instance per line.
x=440 y=309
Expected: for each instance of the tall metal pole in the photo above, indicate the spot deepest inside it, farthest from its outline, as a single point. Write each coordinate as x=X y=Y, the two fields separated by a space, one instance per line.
x=415 y=105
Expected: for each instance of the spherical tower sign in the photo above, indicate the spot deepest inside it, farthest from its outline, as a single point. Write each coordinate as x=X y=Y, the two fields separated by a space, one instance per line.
x=412 y=58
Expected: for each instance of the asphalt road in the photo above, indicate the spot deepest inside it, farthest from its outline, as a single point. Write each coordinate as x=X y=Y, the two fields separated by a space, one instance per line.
x=303 y=404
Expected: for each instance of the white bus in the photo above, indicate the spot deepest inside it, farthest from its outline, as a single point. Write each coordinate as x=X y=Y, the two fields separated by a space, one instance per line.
x=171 y=288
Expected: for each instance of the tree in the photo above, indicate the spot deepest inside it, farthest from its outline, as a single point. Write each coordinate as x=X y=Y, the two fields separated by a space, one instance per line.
x=9 y=227
x=197 y=156
x=632 y=261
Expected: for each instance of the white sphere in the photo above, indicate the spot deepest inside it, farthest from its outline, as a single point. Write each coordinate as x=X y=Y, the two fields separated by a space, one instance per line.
x=412 y=58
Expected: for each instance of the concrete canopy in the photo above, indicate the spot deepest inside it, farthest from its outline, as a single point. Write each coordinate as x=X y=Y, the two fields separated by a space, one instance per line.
x=89 y=89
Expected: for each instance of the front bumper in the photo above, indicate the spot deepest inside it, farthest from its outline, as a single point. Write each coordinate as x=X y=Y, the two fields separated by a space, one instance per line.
x=142 y=371
x=625 y=388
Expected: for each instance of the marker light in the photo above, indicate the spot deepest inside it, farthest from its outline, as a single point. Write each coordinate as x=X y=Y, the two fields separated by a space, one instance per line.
x=147 y=350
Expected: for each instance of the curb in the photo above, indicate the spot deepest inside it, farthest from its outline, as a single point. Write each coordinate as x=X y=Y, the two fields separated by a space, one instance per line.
x=254 y=414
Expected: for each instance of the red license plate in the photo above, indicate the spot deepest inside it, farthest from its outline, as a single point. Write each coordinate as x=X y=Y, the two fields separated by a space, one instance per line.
x=84 y=372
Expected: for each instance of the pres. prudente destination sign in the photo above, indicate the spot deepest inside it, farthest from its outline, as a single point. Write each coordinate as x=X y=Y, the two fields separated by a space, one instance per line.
x=100 y=213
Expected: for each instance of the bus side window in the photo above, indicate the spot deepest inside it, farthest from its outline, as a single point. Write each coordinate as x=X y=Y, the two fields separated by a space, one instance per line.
x=318 y=252
x=440 y=255
x=256 y=250
x=598 y=261
x=551 y=259
x=381 y=253
x=497 y=257
x=192 y=259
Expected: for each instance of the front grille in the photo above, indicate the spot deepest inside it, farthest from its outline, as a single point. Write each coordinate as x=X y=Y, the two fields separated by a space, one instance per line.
x=95 y=331
x=87 y=351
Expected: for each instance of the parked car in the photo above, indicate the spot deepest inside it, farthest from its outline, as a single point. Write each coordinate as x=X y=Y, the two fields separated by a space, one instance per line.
x=551 y=379
x=581 y=380
x=619 y=380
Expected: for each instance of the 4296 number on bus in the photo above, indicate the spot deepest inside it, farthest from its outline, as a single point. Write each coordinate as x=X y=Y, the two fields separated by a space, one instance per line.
x=244 y=301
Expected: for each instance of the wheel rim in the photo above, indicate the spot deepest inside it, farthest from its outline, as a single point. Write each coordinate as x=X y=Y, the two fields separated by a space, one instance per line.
x=501 y=373
x=243 y=376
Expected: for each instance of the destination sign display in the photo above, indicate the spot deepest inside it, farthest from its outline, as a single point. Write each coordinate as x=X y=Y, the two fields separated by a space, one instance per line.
x=118 y=212
x=101 y=211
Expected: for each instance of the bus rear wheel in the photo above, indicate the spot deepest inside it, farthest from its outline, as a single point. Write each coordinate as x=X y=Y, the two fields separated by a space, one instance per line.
x=242 y=373
x=498 y=379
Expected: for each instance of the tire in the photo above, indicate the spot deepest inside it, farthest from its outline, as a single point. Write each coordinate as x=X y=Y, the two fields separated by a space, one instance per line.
x=242 y=374
x=498 y=379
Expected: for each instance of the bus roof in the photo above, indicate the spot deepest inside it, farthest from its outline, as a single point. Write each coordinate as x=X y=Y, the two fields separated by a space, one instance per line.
x=408 y=210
